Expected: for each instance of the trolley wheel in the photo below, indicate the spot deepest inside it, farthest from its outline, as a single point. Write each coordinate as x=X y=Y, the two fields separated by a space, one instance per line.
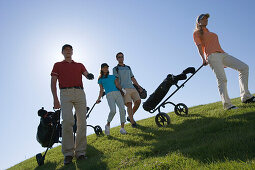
x=40 y=159
x=181 y=109
x=98 y=130
x=162 y=119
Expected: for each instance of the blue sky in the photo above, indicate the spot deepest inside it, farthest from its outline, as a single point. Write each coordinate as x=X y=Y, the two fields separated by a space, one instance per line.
x=155 y=36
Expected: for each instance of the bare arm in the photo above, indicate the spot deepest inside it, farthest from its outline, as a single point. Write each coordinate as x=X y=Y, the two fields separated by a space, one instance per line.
x=201 y=52
x=100 y=93
x=54 y=91
x=136 y=83
x=117 y=84
x=85 y=73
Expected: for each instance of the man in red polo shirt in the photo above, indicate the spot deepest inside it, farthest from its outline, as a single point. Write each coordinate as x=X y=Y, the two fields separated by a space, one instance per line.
x=69 y=75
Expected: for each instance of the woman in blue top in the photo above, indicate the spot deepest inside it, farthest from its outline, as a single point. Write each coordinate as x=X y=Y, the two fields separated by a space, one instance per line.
x=114 y=94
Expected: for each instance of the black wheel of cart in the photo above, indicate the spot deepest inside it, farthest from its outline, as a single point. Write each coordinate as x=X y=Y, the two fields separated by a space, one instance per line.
x=98 y=130
x=162 y=119
x=181 y=109
x=40 y=159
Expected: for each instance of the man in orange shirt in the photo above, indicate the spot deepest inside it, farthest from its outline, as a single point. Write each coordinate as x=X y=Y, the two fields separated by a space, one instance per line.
x=208 y=46
x=69 y=75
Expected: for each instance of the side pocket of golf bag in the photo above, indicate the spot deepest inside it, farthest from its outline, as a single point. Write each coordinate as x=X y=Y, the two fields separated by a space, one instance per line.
x=44 y=133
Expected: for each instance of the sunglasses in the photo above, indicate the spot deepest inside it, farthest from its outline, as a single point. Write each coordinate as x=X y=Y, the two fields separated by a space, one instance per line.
x=120 y=57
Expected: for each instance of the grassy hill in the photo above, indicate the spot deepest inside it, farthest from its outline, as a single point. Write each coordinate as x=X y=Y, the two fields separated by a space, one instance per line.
x=208 y=138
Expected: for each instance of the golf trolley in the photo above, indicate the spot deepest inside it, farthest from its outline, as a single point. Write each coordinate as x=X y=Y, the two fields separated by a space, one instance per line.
x=180 y=109
x=50 y=130
x=97 y=129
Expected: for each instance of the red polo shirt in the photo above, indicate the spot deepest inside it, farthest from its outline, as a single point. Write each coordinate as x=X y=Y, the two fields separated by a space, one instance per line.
x=69 y=74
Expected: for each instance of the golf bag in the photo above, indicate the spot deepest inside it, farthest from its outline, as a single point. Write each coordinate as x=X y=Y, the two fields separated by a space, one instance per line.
x=49 y=129
x=156 y=97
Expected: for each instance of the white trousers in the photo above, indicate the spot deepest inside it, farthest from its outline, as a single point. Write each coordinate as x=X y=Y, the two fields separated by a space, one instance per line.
x=217 y=61
x=114 y=98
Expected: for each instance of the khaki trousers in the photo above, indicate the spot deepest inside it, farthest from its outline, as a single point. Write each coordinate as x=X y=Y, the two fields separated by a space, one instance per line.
x=73 y=98
x=217 y=61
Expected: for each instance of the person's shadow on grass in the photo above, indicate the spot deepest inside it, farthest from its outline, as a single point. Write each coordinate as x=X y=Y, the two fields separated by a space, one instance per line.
x=206 y=139
x=94 y=161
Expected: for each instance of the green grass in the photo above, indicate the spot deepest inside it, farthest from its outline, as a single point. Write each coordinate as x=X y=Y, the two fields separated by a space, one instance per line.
x=208 y=138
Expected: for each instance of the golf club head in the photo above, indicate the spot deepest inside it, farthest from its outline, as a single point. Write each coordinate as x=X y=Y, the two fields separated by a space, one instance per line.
x=42 y=112
x=189 y=70
x=180 y=77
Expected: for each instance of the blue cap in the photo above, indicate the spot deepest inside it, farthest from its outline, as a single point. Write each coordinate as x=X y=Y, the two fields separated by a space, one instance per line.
x=202 y=16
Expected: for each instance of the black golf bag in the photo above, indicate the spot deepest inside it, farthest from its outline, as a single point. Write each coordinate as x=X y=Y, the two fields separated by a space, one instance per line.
x=49 y=129
x=156 y=97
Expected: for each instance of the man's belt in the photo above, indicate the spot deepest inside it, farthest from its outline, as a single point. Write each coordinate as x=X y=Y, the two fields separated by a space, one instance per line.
x=75 y=87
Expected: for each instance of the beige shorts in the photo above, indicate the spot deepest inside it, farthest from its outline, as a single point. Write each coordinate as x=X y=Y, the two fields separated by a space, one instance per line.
x=131 y=95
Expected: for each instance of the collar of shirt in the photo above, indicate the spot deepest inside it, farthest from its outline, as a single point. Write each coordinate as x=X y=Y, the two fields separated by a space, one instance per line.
x=64 y=61
x=121 y=65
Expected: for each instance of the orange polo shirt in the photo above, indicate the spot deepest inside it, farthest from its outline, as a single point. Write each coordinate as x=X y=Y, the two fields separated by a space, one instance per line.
x=209 y=41
x=69 y=74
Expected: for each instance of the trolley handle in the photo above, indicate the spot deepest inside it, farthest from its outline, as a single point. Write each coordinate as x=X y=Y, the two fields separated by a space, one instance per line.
x=91 y=110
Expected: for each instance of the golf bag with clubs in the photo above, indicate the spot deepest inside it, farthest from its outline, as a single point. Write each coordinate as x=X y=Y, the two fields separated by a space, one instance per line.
x=164 y=87
x=48 y=131
x=157 y=96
